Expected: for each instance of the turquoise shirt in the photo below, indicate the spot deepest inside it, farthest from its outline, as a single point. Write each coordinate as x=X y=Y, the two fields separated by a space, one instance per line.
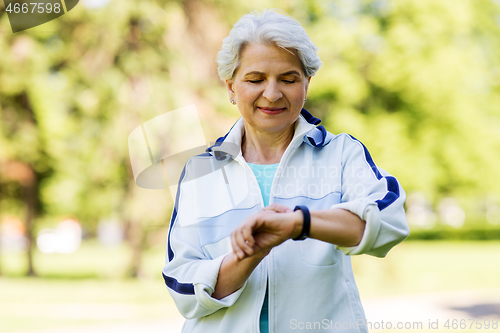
x=265 y=175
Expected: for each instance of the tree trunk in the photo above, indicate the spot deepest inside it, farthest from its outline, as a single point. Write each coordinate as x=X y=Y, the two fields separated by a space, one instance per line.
x=30 y=185
x=136 y=241
x=0 y=254
x=30 y=197
x=23 y=174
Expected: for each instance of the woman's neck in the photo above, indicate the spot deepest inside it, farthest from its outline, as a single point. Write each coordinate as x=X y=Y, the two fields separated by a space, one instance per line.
x=264 y=147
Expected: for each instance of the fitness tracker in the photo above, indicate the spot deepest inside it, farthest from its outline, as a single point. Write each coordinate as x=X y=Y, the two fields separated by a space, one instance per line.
x=306 y=227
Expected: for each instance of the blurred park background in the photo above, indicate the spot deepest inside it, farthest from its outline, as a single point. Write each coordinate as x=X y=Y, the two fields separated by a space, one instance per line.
x=417 y=81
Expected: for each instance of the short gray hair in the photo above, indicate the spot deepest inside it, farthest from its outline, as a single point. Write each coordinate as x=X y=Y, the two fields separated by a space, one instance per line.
x=272 y=26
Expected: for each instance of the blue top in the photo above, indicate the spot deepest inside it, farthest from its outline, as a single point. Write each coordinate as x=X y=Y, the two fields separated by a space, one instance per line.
x=265 y=175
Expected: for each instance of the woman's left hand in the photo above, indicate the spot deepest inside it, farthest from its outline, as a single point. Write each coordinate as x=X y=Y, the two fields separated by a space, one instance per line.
x=262 y=231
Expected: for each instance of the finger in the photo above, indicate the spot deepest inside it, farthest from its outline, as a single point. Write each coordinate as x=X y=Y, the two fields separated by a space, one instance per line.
x=248 y=236
x=242 y=243
x=236 y=248
x=279 y=208
x=268 y=209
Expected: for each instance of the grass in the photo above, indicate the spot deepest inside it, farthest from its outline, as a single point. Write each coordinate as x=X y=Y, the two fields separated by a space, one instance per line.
x=422 y=266
x=27 y=303
x=91 y=261
x=88 y=287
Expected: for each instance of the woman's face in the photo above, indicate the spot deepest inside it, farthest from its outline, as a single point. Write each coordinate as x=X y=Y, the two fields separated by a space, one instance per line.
x=269 y=87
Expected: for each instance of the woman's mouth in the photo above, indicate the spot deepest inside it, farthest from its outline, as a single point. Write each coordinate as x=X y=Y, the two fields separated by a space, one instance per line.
x=271 y=111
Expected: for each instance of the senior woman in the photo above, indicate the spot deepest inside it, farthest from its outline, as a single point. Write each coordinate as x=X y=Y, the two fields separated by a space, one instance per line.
x=265 y=221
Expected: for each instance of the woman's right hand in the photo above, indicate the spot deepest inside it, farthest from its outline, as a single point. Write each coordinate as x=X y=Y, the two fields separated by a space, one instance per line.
x=262 y=231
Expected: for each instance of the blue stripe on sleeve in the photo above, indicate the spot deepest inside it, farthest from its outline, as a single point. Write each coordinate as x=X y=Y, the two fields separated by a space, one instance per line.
x=174 y=215
x=392 y=184
x=391 y=196
x=369 y=160
x=181 y=288
x=172 y=283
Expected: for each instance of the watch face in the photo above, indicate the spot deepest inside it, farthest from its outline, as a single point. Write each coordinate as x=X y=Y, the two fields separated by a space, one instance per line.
x=25 y=14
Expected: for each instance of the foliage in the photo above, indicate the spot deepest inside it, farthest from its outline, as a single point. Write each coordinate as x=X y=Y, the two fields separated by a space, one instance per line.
x=417 y=81
x=450 y=233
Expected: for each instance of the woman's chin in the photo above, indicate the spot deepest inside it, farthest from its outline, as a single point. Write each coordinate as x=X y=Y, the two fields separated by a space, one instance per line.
x=272 y=125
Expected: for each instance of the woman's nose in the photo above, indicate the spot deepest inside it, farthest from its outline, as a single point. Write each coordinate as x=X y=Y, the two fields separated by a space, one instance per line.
x=272 y=92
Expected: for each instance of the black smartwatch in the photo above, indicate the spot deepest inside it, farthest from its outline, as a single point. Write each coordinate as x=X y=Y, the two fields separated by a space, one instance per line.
x=306 y=226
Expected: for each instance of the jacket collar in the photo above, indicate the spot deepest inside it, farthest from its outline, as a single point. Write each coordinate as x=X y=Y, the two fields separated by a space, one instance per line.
x=305 y=131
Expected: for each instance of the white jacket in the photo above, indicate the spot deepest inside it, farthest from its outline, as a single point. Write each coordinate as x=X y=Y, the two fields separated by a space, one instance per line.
x=311 y=283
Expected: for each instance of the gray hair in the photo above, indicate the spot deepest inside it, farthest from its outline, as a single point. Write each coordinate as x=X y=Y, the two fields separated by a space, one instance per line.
x=272 y=26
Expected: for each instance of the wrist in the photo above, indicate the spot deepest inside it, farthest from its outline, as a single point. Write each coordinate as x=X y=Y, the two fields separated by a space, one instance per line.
x=250 y=261
x=298 y=223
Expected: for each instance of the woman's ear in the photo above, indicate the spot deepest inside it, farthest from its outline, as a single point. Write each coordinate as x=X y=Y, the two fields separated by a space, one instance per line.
x=230 y=90
x=307 y=83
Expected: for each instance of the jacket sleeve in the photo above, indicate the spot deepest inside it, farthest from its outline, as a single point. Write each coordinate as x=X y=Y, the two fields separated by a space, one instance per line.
x=376 y=197
x=189 y=273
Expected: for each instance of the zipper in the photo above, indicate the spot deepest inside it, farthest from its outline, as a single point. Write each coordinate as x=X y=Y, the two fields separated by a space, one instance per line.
x=265 y=268
x=268 y=272
x=284 y=159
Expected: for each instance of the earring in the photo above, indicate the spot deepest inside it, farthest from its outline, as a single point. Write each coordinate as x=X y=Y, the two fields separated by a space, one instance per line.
x=233 y=102
x=304 y=100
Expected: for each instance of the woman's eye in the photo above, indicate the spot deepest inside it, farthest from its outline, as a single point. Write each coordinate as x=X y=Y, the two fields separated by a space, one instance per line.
x=288 y=81
x=255 y=81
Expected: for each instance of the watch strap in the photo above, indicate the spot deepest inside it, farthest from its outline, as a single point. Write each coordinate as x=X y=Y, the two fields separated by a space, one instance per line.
x=306 y=226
